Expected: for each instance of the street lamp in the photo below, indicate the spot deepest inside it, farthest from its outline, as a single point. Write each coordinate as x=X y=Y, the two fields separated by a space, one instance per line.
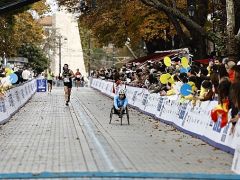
x=4 y=59
x=60 y=53
x=191 y=10
x=89 y=54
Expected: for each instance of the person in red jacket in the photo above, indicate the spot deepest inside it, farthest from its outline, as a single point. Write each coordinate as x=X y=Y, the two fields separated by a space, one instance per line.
x=78 y=77
x=229 y=67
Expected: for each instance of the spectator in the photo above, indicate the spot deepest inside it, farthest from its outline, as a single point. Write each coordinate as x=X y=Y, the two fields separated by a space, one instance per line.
x=206 y=92
x=26 y=75
x=229 y=67
x=235 y=103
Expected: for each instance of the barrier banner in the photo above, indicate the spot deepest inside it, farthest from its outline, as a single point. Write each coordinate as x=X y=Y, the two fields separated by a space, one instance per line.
x=138 y=96
x=167 y=112
x=3 y=110
x=10 y=102
x=152 y=103
x=15 y=98
x=236 y=161
x=144 y=99
x=129 y=94
x=236 y=136
x=108 y=89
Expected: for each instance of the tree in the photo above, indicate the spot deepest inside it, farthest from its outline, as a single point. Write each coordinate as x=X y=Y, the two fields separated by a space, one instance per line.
x=231 y=6
x=36 y=57
x=232 y=45
x=19 y=27
x=115 y=21
x=158 y=21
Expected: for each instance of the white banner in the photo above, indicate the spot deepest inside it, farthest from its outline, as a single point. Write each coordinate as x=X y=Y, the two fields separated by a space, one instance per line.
x=236 y=161
x=15 y=98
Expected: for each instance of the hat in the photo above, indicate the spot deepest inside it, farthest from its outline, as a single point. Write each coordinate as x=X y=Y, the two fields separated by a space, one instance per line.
x=231 y=64
x=152 y=71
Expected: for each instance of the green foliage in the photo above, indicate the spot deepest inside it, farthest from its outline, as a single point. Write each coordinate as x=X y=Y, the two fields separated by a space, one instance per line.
x=18 y=27
x=36 y=57
x=114 y=21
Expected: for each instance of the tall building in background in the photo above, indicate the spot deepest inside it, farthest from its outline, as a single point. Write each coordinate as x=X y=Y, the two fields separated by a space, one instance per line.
x=68 y=37
x=49 y=45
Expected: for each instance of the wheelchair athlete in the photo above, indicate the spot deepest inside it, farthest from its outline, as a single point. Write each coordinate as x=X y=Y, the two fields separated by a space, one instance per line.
x=120 y=102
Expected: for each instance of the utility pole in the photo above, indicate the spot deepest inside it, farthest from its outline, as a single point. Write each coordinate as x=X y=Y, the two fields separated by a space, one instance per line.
x=4 y=59
x=60 y=55
x=113 y=55
x=89 y=54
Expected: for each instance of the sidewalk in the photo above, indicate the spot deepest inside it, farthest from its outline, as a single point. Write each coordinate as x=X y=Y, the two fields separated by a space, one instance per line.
x=45 y=135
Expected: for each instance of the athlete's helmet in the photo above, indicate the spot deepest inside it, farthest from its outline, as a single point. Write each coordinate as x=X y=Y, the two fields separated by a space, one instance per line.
x=122 y=91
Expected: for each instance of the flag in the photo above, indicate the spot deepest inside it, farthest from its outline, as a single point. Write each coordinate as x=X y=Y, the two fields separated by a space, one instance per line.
x=222 y=111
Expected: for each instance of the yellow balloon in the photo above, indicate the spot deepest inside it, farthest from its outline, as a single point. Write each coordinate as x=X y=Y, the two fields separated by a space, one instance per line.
x=171 y=80
x=164 y=79
x=184 y=62
x=8 y=71
x=167 y=61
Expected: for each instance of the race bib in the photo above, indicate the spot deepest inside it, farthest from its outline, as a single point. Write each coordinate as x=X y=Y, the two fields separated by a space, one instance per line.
x=66 y=80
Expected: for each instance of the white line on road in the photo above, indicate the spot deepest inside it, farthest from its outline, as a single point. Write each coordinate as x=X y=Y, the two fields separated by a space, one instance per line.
x=89 y=129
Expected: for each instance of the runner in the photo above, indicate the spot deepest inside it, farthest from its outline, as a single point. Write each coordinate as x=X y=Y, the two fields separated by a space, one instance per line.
x=50 y=77
x=78 y=77
x=67 y=81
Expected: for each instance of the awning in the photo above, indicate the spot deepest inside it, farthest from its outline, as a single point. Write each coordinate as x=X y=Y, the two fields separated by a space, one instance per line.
x=159 y=55
x=202 y=61
x=151 y=57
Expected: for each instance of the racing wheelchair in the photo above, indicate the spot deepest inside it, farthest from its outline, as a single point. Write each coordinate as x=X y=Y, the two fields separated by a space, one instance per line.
x=120 y=115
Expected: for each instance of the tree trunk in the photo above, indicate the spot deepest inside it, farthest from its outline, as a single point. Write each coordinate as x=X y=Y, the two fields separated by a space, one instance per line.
x=237 y=25
x=200 y=41
x=176 y=13
x=198 y=33
x=232 y=43
x=184 y=39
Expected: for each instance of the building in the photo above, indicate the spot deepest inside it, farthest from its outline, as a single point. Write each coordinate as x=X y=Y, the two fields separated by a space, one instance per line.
x=63 y=43
x=70 y=49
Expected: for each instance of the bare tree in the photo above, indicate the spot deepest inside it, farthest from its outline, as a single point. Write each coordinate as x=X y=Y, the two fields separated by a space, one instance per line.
x=231 y=46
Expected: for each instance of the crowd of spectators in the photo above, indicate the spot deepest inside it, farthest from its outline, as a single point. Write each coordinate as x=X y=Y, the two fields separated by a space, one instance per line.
x=219 y=79
x=22 y=74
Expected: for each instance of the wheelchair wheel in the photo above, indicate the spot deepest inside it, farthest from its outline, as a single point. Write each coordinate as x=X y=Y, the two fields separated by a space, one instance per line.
x=111 y=114
x=121 y=116
x=127 y=115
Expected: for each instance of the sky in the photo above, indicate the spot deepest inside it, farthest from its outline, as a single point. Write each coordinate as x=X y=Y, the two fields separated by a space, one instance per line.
x=53 y=5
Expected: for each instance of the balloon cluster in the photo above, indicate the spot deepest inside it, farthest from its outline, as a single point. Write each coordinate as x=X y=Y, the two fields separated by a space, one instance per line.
x=186 y=89
x=6 y=82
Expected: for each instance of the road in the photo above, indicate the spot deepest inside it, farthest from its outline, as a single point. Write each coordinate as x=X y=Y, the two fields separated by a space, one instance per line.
x=47 y=136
